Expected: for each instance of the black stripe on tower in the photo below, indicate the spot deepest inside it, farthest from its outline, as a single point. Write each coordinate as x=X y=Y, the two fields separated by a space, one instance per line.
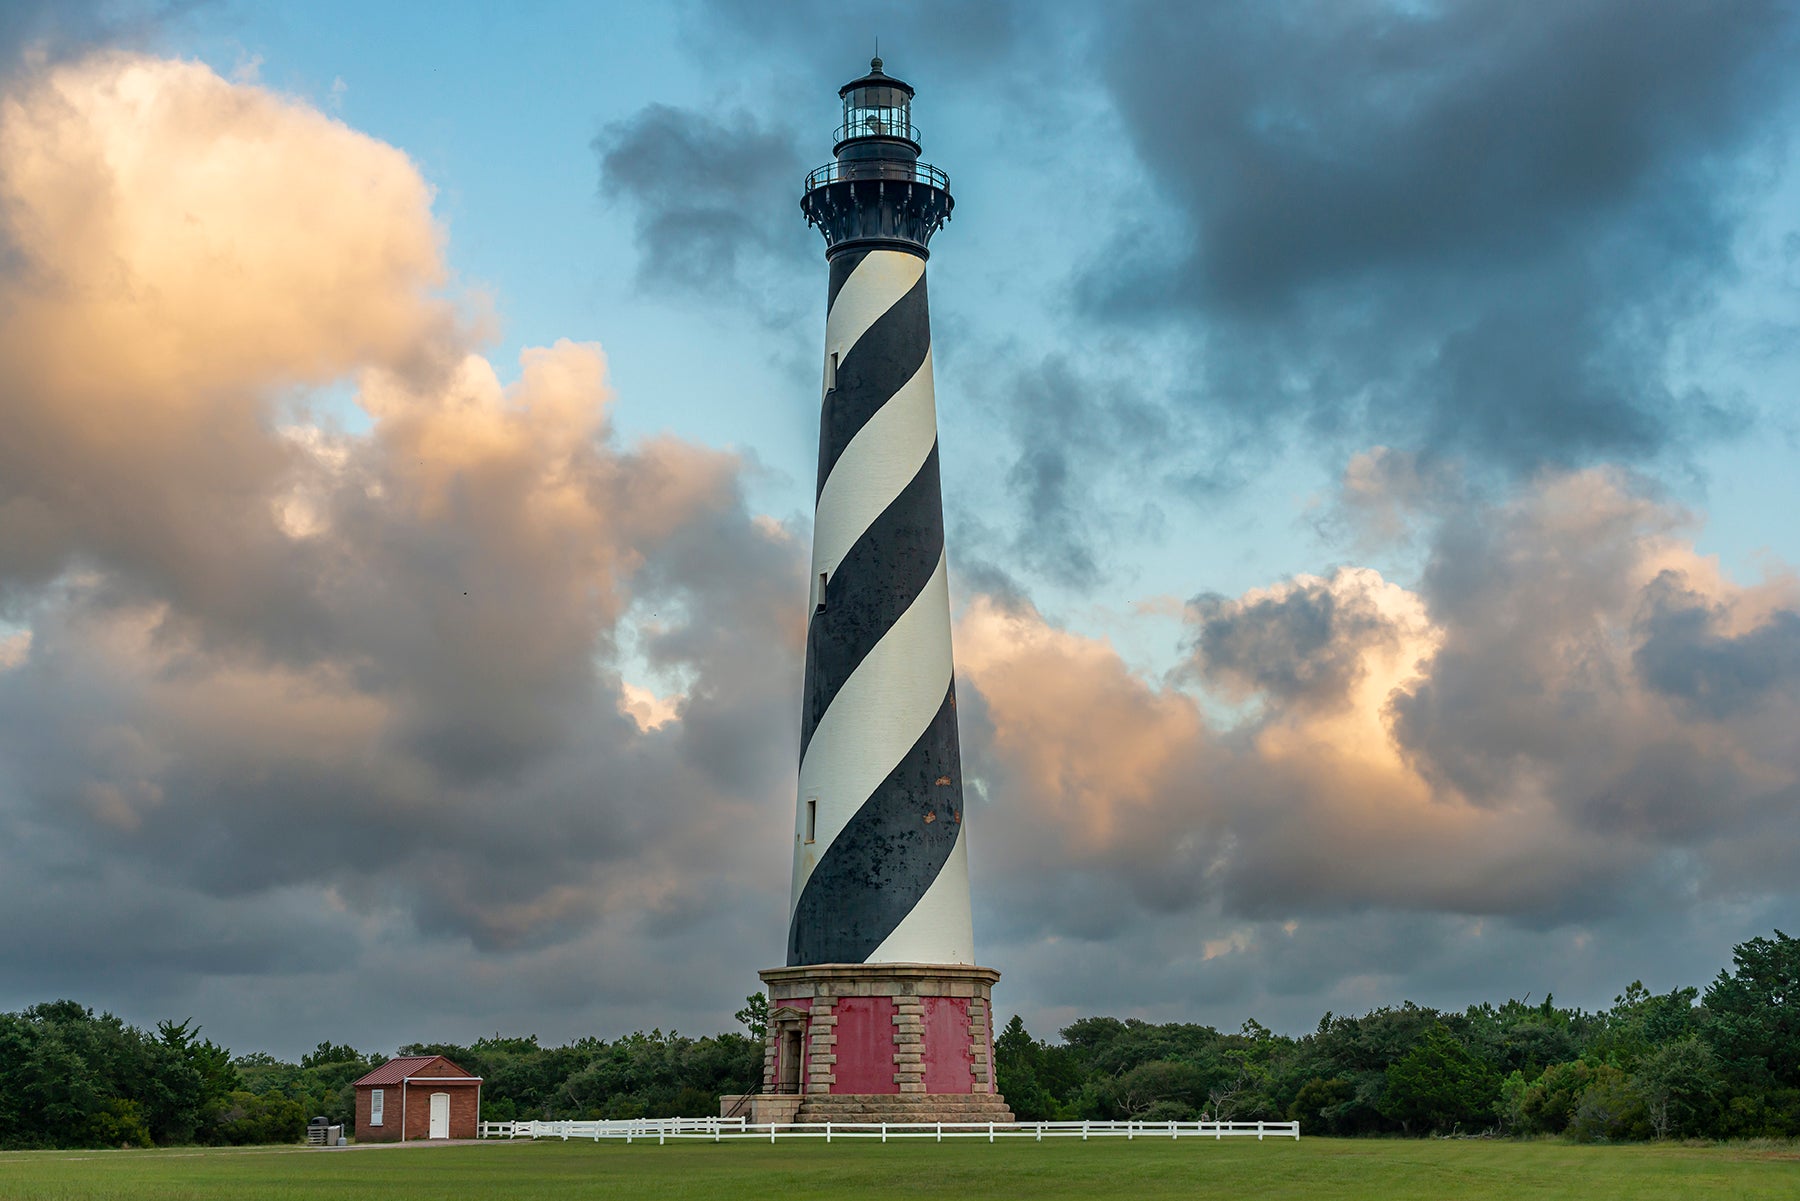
x=875 y=584
x=842 y=267
x=887 y=857
x=889 y=353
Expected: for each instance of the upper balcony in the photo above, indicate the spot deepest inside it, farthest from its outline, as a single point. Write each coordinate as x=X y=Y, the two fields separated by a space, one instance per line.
x=894 y=170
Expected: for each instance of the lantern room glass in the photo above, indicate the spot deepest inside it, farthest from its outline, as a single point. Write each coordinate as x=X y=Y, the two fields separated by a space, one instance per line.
x=877 y=111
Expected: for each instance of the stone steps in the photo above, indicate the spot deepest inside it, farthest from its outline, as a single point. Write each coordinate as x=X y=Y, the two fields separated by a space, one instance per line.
x=958 y=1108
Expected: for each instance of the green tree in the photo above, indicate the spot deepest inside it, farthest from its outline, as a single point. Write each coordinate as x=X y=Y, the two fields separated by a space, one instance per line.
x=1169 y=1089
x=1753 y=1014
x=1018 y=1059
x=755 y=1015
x=197 y=1077
x=1438 y=1085
x=329 y=1053
x=1680 y=1086
x=1640 y=1021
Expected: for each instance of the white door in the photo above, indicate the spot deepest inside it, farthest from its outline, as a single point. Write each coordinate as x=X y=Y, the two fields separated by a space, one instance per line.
x=440 y=1115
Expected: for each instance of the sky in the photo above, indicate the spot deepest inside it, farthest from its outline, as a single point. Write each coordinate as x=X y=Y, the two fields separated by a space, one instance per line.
x=1369 y=460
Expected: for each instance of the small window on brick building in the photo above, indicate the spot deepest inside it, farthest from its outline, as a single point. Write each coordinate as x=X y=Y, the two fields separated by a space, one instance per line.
x=374 y=1107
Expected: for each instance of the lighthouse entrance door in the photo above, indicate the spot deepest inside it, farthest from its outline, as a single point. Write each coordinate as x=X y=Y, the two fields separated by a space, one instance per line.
x=790 y=1059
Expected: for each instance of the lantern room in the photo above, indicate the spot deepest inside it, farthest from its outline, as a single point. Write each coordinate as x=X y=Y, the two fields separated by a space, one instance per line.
x=877 y=109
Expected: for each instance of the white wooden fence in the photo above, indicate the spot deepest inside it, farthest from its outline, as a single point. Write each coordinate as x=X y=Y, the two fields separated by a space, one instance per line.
x=721 y=1129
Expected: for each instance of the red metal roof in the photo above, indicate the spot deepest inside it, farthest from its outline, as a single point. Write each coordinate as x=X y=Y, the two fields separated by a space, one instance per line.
x=396 y=1070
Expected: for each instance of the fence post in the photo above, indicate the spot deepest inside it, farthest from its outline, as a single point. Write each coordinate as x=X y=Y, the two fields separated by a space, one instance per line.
x=884 y=1132
x=1172 y=1134
x=990 y=1132
x=1259 y=1132
x=940 y=1128
x=827 y=1131
x=1084 y=1130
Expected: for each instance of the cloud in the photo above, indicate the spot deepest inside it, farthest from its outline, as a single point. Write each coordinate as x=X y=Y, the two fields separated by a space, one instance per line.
x=384 y=686
x=715 y=202
x=1481 y=237
x=1513 y=741
x=1690 y=652
x=1058 y=515
x=1307 y=643
x=1468 y=229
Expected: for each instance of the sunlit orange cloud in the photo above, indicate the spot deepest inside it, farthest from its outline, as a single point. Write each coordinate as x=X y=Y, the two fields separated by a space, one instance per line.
x=206 y=235
x=241 y=613
x=1090 y=741
x=1484 y=748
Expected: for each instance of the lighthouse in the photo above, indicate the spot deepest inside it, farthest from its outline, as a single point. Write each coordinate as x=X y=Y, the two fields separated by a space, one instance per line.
x=880 y=1011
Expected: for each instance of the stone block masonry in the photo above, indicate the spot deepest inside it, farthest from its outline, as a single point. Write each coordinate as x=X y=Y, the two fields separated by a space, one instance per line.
x=885 y=1042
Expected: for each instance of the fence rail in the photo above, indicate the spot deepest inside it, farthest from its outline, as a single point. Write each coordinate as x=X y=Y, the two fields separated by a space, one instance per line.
x=721 y=1129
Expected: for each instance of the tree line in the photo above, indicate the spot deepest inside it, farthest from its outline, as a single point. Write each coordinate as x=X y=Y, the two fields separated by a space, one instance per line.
x=1723 y=1064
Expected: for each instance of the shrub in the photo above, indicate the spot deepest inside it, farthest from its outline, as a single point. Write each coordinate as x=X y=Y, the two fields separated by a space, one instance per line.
x=1321 y=1105
x=117 y=1123
x=1609 y=1109
x=1546 y=1105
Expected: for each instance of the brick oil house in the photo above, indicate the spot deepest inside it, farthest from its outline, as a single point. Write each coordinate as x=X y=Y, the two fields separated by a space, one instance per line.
x=417 y=1097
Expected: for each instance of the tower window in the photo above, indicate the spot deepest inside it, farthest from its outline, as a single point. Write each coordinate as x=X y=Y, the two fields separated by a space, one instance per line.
x=819 y=594
x=812 y=818
x=831 y=371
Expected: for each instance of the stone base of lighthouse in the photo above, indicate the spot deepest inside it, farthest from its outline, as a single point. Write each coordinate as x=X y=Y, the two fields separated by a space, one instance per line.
x=878 y=1042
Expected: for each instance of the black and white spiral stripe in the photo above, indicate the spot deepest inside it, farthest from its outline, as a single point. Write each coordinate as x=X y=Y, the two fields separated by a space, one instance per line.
x=885 y=878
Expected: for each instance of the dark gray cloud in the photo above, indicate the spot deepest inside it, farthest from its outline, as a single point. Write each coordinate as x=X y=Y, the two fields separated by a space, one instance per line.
x=1074 y=428
x=1685 y=655
x=1466 y=228
x=1471 y=232
x=1304 y=647
x=715 y=201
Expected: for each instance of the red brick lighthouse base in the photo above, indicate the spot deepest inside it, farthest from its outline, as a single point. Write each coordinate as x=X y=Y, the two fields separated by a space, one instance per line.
x=878 y=1042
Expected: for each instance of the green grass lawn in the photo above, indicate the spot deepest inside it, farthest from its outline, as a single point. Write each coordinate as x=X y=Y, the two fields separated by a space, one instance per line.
x=1312 y=1168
